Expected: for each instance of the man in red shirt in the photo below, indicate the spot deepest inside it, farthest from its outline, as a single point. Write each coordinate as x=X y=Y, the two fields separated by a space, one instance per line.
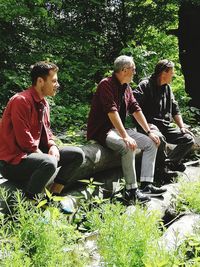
x=28 y=153
x=111 y=103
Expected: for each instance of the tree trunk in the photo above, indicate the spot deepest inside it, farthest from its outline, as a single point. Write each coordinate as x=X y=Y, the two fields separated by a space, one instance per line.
x=189 y=48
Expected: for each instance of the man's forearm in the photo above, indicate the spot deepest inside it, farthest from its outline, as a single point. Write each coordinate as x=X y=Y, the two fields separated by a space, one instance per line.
x=140 y=118
x=179 y=121
x=117 y=123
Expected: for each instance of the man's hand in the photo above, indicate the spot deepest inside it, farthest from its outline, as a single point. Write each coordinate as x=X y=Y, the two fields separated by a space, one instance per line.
x=130 y=142
x=54 y=151
x=38 y=151
x=185 y=130
x=155 y=138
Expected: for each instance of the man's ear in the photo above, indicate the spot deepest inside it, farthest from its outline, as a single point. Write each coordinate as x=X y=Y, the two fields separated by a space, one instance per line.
x=40 y=81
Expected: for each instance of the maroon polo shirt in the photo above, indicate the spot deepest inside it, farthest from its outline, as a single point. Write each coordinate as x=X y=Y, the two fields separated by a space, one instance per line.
x=24 y=126
x=108 y=98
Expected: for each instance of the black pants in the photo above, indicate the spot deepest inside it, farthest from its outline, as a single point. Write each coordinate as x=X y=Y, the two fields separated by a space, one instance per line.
x=169 y=134
x=35 y=171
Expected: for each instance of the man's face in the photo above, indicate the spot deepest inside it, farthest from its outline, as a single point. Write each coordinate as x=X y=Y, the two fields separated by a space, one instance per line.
x=169 y=75
x=50 y=85
x=130 y=72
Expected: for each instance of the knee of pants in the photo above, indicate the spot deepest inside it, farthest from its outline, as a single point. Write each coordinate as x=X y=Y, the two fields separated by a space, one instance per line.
x=50 y=163
x=150 y=145
x=123 y=149
x=80 y=157
x=118 y=145
x=189 y=139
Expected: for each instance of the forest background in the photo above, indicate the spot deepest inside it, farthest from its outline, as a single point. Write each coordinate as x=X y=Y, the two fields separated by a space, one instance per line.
x=83 y=38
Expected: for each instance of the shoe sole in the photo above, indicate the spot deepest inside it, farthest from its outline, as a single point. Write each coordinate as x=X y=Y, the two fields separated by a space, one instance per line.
x=131 y=202
x=142 y=202
x=154 y=195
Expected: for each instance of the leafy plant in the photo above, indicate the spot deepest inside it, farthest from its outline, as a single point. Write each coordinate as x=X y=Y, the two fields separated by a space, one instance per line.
x=189 y=197
x=91 y=197
x=123 y=239
x=38 y=238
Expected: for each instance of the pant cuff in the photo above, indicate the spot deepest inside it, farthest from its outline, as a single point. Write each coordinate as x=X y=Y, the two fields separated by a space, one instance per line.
x=146 y=179
x=131 y=186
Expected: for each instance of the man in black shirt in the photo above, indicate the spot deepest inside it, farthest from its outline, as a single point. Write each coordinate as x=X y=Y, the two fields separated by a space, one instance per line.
x=160 y=108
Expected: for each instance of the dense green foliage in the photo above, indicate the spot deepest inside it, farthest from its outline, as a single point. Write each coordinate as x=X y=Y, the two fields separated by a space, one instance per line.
x=33 y=237
x=189 y=197
x=117 y=230
x=83 y=39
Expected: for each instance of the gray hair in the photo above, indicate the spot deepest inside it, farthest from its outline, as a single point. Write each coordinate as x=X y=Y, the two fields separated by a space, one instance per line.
x=122 y=62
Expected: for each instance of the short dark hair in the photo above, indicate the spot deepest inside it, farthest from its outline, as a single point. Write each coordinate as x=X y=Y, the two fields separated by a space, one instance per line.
x=163 y=65
x=41 y=69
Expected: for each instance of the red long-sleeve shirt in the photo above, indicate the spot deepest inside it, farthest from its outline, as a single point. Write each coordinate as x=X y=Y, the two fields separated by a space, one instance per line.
x=107 y=99
x=24 y=126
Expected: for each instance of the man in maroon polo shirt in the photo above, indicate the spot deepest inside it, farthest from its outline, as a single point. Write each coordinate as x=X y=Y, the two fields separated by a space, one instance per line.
x=28 y=153
x=111 y=103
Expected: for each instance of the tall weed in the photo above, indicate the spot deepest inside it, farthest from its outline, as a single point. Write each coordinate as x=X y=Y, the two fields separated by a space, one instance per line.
x=189 y=197
x=39 y=238
x=125 y=240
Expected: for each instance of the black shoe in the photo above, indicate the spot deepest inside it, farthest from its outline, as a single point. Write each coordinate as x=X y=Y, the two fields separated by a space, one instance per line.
x=135 y=195
x=175 y=166
x=162 y=177
x=153 y=191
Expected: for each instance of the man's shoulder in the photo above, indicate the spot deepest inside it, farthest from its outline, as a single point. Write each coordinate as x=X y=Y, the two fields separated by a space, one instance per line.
x=105 y=80
x=144 y=81
x=21 y=96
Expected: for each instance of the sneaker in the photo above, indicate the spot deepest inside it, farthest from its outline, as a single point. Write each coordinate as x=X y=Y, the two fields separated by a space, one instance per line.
x=67 y=204
x=153 y=191
x=175 y=166
x=135 y=195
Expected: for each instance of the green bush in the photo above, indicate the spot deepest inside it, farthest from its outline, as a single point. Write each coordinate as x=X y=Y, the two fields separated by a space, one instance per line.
x=35 y=237
x=125 y=240
x=189 y=197
x=64 y=117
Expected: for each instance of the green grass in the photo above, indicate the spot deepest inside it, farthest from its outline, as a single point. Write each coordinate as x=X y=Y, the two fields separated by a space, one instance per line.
x=31 y=236
x=189 y=197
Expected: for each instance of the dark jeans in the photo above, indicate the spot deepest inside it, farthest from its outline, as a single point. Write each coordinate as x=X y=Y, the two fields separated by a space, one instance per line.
x=35 y=171
x=183 y=142
x=171 y=135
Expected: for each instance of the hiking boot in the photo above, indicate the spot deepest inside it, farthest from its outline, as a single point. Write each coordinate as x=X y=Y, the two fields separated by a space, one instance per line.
x=135 y=195
x=153 y=191
x=175 y=166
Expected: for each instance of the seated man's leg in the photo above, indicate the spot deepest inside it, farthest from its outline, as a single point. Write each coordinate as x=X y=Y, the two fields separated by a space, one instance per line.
x=33 y=172
x=71 y=158
x=149 y=148
x=184 y=142
x=161 y=153
x=116 y=143
x=162 y=175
